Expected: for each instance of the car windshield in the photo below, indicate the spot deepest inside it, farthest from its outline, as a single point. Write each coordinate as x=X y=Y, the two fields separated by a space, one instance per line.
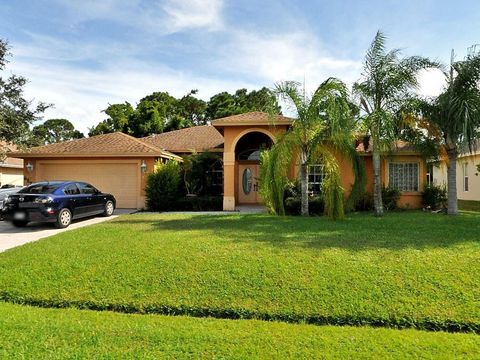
x=43 y=188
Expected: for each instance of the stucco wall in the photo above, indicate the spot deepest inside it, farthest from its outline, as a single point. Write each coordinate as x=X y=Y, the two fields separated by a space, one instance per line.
x=473 y=193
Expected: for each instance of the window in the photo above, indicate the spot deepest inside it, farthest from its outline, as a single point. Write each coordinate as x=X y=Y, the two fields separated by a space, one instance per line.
x=403 y=176
x=430 y=174
x=465 y=176
x=71 y=189
x=316 y=176
x=87 y=189
x=42 y=188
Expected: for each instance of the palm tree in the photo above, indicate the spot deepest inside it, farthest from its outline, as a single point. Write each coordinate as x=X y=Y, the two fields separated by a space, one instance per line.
x=387 y=81
x=323 y=125
x=456 y=115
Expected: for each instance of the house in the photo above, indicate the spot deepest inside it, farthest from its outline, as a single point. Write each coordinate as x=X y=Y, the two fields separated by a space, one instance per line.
x=118 y=163
x=468 y=174
x=11 y=169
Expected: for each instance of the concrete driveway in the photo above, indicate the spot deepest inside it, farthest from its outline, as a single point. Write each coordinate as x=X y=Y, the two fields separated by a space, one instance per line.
x=11 y=237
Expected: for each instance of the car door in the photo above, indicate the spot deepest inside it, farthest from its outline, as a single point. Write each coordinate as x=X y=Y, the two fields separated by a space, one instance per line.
x=93 y=201
x=76 y=199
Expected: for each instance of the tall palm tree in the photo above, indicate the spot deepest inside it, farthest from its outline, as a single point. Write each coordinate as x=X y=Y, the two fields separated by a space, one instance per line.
x=386 y=81
x=323 y=125
x=456 y=114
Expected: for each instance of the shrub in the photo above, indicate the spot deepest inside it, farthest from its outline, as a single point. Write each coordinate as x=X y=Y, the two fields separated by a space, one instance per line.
x=434 y=197
x=199 y=170
x=316 y=205
x=364 y=203
x=390 y=197
x=163 y=186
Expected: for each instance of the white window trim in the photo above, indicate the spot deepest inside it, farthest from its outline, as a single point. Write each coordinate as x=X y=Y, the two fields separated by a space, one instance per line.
x=387 y=171
x=466 y=184
x=321 y=175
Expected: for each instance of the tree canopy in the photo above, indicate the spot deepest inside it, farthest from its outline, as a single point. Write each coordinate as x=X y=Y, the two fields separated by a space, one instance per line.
x=161 y=112
x=16 y=112
x=53 y=131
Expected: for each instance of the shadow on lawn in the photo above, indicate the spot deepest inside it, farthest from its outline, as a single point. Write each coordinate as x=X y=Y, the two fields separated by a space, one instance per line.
x=357 y=232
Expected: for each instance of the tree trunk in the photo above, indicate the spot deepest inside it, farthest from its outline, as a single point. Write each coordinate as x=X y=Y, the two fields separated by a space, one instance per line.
x=304 y=185
x=377 y=181
x=452 y=182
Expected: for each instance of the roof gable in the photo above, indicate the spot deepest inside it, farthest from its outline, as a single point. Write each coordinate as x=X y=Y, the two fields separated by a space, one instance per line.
x=253 y=118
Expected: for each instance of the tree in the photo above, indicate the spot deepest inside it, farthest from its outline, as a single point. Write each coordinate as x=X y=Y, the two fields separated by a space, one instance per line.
x=456 y=114
x=386 y=84
x=323 y=128
x=118 y=119
x=16 y=113
x=55 y=130
x=225 y=104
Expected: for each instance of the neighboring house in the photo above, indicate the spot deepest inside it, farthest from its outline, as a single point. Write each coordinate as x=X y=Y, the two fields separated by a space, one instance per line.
x=11 y=169
x=468 y=175
x=112 y=162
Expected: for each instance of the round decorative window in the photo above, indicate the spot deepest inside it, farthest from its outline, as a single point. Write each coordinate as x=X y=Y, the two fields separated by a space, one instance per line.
x=247 y=181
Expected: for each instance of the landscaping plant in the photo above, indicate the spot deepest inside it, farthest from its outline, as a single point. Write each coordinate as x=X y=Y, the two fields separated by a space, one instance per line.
x=163 y=186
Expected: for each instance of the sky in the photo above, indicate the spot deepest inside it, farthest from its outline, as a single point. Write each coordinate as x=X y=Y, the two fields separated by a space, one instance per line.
x=83 y=55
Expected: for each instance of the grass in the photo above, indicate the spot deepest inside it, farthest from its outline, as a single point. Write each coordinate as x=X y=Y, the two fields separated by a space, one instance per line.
x=409 y=269
x=469 y=205
x=33 y=333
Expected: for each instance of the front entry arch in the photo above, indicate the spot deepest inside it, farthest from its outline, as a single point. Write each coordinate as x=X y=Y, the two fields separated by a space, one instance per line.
x=247 y=163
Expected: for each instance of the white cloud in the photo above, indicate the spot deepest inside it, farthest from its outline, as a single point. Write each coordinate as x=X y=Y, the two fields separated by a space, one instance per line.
x=81 y=95
x=158 y=16
x=289 y=56
x=432 y=82
x=187 y=14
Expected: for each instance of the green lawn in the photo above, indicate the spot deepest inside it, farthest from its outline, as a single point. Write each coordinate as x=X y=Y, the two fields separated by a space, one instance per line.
x=469 y=205
x=32 y=333
x=407 y=269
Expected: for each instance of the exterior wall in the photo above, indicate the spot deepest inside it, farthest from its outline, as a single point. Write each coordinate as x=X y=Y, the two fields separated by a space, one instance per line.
x=473 y=193
x=10 y=175
x=35 y=174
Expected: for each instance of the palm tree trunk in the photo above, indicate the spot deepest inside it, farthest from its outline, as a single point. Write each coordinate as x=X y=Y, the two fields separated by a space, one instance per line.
x=304 y=185
x=452 y=182
x=377 y=181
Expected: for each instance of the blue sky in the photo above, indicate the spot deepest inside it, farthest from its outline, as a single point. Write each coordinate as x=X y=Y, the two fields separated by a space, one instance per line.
x=82 y=55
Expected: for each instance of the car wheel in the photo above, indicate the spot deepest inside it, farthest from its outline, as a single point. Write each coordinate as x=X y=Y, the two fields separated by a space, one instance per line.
x=64 y=218
x=19 y=223
x=109 y=208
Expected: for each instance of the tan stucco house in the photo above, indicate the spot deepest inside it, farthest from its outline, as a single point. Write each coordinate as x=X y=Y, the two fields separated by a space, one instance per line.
x=468 y=174
x=118 y=163
x=11 y=169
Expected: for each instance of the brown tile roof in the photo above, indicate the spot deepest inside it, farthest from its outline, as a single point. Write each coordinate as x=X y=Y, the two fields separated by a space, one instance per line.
x=8 y=161
x=196 y=138
x=253 y=118
x=397 y=146
x=113 y=144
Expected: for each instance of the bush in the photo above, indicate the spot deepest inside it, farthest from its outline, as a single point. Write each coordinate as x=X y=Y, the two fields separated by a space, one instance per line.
x=316 y=205
x=200 y=203
x=434 y=197
x=163 y=186
x=199 y=171
x=364 y=203
x=390 y=197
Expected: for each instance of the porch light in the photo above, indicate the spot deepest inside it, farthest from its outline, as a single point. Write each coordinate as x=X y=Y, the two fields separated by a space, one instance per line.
x=143 y=166
x=29 y=167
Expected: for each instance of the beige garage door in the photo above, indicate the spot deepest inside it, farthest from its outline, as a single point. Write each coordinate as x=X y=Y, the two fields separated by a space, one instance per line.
x=120 y=180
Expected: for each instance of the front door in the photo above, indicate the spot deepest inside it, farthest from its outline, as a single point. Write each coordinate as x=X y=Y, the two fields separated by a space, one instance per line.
x=248 y=184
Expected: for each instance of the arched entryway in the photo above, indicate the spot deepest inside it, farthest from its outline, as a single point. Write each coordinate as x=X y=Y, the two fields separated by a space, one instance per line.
x=247 y=163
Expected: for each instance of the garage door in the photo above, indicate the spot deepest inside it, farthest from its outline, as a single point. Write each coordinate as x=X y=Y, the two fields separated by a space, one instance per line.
x=120 y=180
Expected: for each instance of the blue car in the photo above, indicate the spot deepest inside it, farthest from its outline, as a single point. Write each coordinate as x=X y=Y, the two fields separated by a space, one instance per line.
x=57 y=202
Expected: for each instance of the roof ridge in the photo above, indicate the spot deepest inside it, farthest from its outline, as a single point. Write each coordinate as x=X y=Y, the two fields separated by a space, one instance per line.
x=152 y=147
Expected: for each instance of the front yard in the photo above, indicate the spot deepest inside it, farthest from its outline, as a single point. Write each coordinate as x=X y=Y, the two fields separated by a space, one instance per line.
x=409 y=269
